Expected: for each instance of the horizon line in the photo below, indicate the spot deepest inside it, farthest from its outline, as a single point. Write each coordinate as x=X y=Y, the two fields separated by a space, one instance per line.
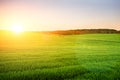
x=63 y=29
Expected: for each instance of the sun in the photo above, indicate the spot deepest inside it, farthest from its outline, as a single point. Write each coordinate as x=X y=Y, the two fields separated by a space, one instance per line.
x=17 y=28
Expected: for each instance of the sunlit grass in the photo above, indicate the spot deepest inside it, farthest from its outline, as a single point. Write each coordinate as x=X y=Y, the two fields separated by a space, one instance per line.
x=52 y=57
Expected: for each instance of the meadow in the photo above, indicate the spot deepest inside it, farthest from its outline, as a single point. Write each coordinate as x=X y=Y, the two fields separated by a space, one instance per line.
x=60 y=57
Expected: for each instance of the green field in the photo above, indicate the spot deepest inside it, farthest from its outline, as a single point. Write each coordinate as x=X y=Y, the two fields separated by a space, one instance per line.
x=60 y=57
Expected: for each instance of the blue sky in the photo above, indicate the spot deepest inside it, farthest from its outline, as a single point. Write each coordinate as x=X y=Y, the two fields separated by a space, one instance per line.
x=60 y=14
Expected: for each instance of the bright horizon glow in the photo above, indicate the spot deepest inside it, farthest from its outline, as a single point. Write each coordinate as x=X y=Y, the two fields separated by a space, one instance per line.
x=49 y=15
x=17 y=29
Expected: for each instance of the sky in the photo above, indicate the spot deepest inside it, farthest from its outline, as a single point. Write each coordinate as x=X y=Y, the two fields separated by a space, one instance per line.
x=44 y=15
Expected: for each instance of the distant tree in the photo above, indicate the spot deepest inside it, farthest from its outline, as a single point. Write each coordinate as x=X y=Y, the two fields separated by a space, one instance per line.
x=84 y=31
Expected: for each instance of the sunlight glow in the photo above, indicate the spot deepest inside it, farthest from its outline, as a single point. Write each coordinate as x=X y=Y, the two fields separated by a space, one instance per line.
x=17 y=29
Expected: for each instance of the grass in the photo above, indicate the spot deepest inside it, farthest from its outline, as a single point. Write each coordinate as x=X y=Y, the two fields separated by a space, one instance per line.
x=63 y=57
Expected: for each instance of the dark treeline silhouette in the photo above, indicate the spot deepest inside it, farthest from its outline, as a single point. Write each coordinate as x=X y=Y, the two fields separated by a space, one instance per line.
x=71 y=32
x=84 y=31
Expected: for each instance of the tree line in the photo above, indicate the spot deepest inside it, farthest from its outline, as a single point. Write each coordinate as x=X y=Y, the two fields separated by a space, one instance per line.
x=84 y=31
